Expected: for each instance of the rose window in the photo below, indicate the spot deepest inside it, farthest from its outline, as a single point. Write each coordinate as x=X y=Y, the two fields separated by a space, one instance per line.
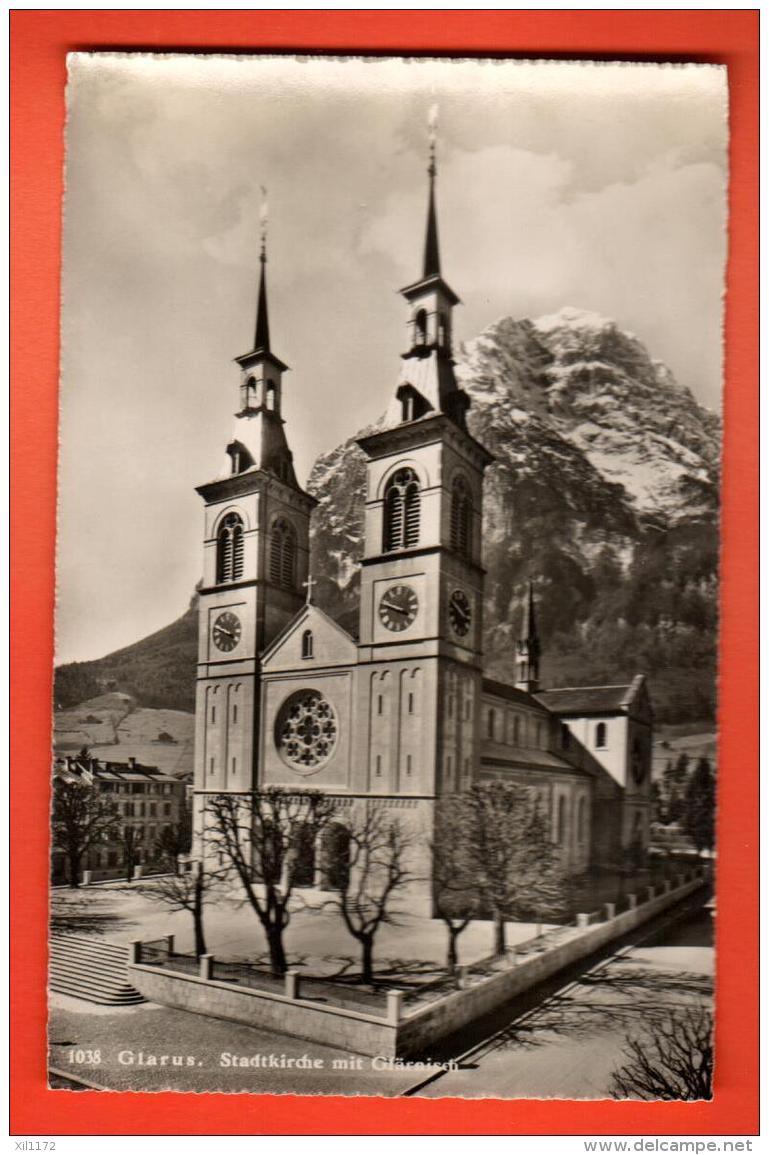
x=306 y=731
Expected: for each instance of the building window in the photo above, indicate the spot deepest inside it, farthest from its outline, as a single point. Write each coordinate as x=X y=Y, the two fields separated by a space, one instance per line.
x=411 y=703
x=539 y=735
x=461 y=516
x=600 y=736
x=229 y=549
x=271 y=395
x=234 y=765
x=379 y=704
x=213 y=714
x=153 y=809
x=307 y=644
x=335 y=857
x=283 y=554
x=491 y=724
x=234 y=713
x=516 y=730
x=408 y=764
x=560 y=828
x=379 y=765
x=581 y=820
x=420 y=327
x=401 y=511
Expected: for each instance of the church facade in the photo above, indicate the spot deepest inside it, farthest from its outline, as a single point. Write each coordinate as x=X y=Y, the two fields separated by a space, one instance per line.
x=403 y=712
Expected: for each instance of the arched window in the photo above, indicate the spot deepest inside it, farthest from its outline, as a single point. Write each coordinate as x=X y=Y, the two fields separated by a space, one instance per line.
x=420 y=328
x=401 y=511
x=303 y=866
x=335 y=857
x=229 y=549
x=560 y=829
x=271 y=394
x=461 y=516
x=283 y=554
x=307 y=644
x=600 y=736
x=581 y=820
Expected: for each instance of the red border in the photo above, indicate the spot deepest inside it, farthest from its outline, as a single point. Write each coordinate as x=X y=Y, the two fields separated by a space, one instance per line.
x=39 y=42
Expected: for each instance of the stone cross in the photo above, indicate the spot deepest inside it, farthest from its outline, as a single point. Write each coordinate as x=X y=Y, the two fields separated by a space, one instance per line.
x=308 y=586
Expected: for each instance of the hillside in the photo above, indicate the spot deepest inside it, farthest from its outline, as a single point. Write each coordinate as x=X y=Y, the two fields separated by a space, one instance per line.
x=604 y=491
x=158 y=671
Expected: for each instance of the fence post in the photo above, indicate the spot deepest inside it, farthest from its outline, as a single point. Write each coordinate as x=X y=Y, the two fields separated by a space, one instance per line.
x=170 y=944
x=137 y=873
x=668 y=885
x=205 y=961
x=512 y=955
x=291 y=979
x=583 y=920
x=394 y=1000
x=462 y=970
x=650 y=893
x=86 y=878
x=632 y=901
x=609 y=910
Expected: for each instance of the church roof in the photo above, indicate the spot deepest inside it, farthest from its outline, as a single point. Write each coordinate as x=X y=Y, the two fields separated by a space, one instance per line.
x=495 y=754
x=588 y=699
x=511 y=694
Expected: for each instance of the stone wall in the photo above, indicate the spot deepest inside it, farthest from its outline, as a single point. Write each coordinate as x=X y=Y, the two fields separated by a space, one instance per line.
x=400 y=1034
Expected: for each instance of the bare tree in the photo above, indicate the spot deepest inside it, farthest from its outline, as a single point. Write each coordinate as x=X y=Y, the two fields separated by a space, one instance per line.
x=190 y=891
x=267 y=838
x=130 y=845
x=455 y=888
x=176 y=838
x=82 y=818
x=671 y=1059
x=510 y=853
x=379 y=868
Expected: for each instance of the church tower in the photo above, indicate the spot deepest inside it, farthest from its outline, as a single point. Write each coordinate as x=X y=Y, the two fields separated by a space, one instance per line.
x=256 y=550
x=422 y=580
x=527 y=661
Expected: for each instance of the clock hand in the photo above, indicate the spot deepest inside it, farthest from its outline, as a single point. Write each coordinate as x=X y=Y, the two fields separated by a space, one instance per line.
x=392 y=606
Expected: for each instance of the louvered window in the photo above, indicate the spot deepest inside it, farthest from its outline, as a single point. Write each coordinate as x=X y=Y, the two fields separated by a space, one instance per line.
x=402 y=511
x=283 y=554
x=229 y=549
x=461 y=517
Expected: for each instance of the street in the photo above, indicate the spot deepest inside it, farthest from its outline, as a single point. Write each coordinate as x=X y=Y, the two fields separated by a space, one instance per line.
x=567 y=1045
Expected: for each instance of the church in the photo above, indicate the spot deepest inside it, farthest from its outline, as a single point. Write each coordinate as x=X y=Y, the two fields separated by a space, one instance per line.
x=402 y=712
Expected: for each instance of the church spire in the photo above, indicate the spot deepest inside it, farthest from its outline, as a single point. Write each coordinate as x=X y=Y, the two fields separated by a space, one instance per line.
x=262 y=338
x=527 y=676
x=432 y=258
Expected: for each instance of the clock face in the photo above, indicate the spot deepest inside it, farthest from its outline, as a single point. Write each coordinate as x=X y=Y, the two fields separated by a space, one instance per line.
x=398 y=607
x=226 y=631
x=460 y=614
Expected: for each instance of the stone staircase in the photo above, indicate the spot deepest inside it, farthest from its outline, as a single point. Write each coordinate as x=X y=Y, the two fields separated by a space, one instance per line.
x=91 y=969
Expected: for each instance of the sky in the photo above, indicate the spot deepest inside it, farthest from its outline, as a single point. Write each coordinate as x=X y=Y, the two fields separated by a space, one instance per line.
x=599 y=186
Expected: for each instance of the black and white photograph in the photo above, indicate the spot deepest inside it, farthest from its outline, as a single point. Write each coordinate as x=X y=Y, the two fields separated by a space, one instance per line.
x=385 y=688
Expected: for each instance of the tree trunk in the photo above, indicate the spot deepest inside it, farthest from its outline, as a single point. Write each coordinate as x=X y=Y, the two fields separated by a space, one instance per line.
x=74 y=871
x=200 y=941
x=367 y=959
x=278 y=964
x=500 y=945
x=451 y=954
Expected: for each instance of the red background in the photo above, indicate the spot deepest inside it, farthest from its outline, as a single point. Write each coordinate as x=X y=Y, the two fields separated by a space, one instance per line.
x=39 y=43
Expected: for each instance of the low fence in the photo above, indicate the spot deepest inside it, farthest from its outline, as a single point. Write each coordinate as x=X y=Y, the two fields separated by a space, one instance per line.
x=380 y=1024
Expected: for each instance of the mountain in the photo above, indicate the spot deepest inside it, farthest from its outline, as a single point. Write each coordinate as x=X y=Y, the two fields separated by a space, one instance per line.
x=158 y=671
x=604 y=492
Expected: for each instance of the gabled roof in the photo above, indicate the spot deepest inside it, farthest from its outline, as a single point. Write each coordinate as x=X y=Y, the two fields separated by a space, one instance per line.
x=592 y=699
x=305 y=615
